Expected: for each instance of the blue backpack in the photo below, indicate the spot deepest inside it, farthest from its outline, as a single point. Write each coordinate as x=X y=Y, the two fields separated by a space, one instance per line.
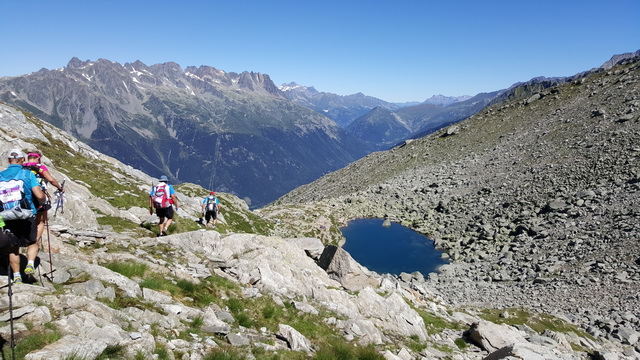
x=13 y=203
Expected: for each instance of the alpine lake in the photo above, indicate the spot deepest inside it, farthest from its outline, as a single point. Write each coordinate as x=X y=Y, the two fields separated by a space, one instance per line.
x=390 y=249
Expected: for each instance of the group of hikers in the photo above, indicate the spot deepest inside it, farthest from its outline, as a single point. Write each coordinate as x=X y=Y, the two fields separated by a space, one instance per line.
x=24 y=204
x=25 y=201
x=163 y=199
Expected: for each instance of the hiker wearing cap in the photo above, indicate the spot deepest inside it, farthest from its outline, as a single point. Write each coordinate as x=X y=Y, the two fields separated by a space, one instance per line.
x=44 y=179
x=211 y=208
x=19 y=188
x=163 y=197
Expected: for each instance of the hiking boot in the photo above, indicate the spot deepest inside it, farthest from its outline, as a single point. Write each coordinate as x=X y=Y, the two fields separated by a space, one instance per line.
x=16 y=280
x=29 y=270
x=164 y=233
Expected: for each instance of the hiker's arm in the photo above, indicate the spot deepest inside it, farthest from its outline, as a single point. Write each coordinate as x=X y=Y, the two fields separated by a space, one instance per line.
x=175 y=200
x=150 y=205
x=39 y=194
x=50 y=179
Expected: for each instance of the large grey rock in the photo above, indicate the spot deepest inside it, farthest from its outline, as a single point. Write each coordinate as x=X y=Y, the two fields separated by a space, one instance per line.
x=312 y=246
x=350 y=273
x=492 y=337
x=296 y=341
x=68 y=347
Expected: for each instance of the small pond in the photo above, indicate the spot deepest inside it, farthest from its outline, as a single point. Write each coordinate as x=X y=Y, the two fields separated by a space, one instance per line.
x=390 y=249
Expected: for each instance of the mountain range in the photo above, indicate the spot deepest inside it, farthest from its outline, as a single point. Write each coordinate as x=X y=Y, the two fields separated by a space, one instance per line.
x=225 y=131
x=238 y=133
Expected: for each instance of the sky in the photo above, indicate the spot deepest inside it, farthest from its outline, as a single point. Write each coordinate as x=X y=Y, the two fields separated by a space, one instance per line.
x=398 y=51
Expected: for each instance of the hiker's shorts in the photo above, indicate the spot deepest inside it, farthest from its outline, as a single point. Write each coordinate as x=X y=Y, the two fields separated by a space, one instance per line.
x=19 y=233
x=210 y=215
x=165 y=212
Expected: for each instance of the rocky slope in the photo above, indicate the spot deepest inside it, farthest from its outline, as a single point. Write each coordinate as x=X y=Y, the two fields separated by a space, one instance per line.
x=534 y=199
x=117 y=291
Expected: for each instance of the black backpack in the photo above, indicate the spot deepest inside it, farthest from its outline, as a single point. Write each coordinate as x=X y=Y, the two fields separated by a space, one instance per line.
x=211 y=205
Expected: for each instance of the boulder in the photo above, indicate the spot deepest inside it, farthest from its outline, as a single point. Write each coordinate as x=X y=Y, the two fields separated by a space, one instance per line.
x=492 y=337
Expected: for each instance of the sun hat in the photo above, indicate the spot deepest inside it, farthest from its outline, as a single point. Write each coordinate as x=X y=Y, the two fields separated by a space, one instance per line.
x=212 y=193
x=164 y=178
x=15 y=154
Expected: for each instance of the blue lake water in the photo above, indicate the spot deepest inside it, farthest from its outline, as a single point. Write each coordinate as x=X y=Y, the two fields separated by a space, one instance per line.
x=392 y=249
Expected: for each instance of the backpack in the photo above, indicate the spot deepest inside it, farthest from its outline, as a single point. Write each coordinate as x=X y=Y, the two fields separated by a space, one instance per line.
x=211 y=205
x=35 y=169
x=161 y=198
x=13 y=203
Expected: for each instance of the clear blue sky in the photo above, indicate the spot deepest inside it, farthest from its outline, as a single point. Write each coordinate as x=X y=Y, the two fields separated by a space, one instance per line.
x=395 y=50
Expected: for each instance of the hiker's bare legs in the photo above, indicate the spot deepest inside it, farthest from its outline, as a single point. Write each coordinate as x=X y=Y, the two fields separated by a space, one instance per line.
x=161 y=225
x=32 y=250
x=14 y=259
x=40 y=220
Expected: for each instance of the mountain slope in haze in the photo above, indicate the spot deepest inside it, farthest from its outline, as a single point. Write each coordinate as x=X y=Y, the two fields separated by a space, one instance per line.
x=233 y=132
x=341 y=109
x=446 y=100
x=535 y=199
x=414 y=121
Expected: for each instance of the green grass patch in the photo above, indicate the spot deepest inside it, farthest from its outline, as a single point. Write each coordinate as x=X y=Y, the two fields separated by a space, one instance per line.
x=537 y=321
x=342 y=350
x=35 y=340
x=120 y=225
x=415 y=344
x=264 y=312
x=112 y=352
x=109 y=183
x=225 y=354
x=208 y=291
x=461 y=343
x=122 y=301
x=436 y=324
x=162 y=352
x=128 y=269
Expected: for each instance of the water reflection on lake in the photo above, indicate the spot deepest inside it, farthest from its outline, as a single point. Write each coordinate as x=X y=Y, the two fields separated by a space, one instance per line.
x=393 y=249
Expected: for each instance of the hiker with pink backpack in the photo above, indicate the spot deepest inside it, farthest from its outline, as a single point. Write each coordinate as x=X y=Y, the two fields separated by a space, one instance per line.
x=163 y=198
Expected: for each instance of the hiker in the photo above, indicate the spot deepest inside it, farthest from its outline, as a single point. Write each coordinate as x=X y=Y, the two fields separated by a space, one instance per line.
x=163 y=197
x=211 y=208
x=19 y=188
x=44 y=179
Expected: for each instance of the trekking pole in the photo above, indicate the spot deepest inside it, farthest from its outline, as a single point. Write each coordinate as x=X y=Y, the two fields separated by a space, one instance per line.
x=10 y=292
x=59 y=199
x=46 y=224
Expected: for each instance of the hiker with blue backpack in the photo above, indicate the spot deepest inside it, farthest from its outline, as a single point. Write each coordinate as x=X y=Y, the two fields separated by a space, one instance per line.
x=211 y=208
x=163 y=198
x=19 y=188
